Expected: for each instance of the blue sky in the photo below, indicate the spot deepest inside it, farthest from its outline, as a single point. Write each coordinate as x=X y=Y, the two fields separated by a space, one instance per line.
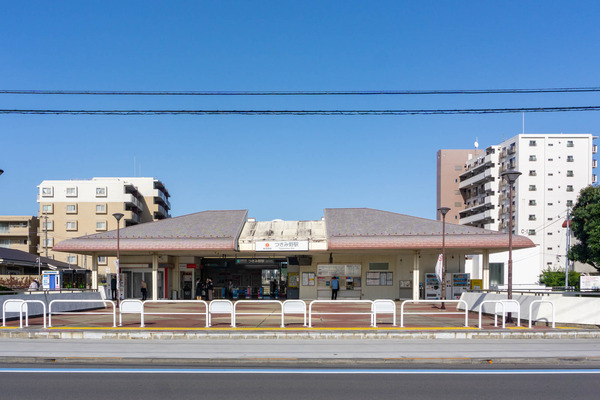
x=288 y=167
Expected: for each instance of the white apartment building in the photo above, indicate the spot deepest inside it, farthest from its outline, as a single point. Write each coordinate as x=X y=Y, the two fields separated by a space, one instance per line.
x=554 y=167
x=73 y=208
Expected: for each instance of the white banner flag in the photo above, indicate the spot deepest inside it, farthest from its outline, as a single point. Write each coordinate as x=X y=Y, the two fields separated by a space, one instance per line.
x=438 y=268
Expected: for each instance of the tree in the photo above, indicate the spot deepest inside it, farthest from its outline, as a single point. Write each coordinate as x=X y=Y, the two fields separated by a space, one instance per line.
x=585 y=223
x=556 y=278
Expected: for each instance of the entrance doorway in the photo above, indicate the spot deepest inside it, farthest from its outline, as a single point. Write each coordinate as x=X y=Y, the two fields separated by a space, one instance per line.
x=133 y=284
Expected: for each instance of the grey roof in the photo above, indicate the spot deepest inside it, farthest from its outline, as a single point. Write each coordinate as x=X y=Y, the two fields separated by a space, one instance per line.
x=24 y=259
x=207 y=230
x=365 y=228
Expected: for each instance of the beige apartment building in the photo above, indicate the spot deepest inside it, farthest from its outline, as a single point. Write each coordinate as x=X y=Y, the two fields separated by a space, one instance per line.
x=450 y=165
x=74 y=208
x=19 y=232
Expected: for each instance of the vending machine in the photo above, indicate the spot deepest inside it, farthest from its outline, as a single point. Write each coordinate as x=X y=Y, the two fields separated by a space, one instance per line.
x=433 y=289
x=460 y=283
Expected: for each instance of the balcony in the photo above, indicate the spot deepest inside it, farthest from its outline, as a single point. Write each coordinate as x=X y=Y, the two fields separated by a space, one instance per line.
x=162 y=198
x=132 y=201
x=594 y=163
x=161 y=213
x=131 y=218
x=483 y=177
x=480 y=218
x=595 y=149
x=594 y=179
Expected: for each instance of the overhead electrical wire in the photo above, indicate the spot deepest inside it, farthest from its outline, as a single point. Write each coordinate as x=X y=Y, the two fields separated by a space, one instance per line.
x=299 y=92
x=304 y=112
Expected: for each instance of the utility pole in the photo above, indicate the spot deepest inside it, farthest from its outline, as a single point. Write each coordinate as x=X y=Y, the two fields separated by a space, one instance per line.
x=567 y=251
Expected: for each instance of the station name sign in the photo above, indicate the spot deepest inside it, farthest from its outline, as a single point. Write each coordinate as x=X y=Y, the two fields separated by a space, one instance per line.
x=282 y=245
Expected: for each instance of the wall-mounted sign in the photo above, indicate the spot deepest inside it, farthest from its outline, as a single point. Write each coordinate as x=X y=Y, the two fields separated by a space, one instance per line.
x=282 y=245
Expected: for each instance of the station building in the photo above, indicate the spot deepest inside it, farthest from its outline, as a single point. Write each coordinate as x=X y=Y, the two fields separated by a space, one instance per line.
x=375 y=254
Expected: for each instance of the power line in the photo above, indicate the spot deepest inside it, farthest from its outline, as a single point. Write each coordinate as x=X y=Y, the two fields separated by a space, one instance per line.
x=301 y=92
x=305 y=112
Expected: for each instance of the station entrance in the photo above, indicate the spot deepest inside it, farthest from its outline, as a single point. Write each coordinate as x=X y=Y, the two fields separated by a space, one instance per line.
x=246 y=278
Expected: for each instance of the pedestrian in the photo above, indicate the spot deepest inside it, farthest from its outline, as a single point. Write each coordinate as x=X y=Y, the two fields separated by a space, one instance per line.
x=198 y=289
x=230 y=289
x=34 y=285
x=335 y=286
x=113 y=287
x=273 y=289
x=144 y=290
x=209 y=289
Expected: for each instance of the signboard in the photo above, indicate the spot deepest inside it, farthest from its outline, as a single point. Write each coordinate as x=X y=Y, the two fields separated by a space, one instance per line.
x=589 y=283
x=190 y=266
x=282 y=245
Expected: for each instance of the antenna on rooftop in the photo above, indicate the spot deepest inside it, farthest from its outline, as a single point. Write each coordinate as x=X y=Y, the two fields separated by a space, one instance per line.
x=476 y=144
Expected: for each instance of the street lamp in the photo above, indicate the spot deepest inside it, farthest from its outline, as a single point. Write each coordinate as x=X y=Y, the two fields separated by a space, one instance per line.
x=511 y=177
x=1 y=171
x=118 y=217
x=443 y=211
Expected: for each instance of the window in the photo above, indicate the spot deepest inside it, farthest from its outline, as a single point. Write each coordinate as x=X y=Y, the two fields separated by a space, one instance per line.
x=550 y=189
x=550 y=249
x=570 y=174
x=48 y=242
x=570 y=144
x=72 y=260
x=532 y=172
x=569 y=189
x=532 y=158
x=47 y=191
x=100 y=225
x=532 y=202
x=570 y=159
x=549 y=233
x=71 y=192
x=100 y=192
x=550 y=174
x=532 y=143
x=102 y=260
x=379 y=266
x=532 y=217
x=550 y=204
x=71 y=225
x=569 y=204
x=47 y=225
x=100 y=208
x=551 y=159
x=550 y=144
x=532 y=188
x=531 y=232
x=47 y=208
x=71 y=208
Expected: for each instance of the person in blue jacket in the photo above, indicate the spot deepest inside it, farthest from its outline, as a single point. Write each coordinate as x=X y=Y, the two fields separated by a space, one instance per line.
x=335 y=286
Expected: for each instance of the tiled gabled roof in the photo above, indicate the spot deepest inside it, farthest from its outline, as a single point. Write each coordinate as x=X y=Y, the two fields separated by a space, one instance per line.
x=207 y=230
x=365 y=228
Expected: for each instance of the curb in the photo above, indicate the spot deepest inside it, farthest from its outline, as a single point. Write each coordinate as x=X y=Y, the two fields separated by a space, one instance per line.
x=232 y=334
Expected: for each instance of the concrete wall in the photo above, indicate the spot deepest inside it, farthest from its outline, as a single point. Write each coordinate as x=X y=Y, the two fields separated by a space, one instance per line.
x=47 y=297
x=568 y=309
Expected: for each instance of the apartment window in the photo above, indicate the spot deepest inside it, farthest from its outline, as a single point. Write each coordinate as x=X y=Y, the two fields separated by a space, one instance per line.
x=72 y=260
x=532 y=217
x=532 y=188
x=531 y=232
x=550 y=204
x=47 y=208
x=570 y=159
x=550 y=249
x=570 y=174
x=101 y=192
x=532 y=172
x=48 y=242
x=71 y=208
x=570 y=143
x=550 y=144
x=532 y=202
x=47 y=225
x=71 y=192
x=549 y=233
x=100 y=225
x=71 y=225
x=569 y=203
x=102 y=260
x=532 y=143
x=551 y=159
x=550 y=189
x=550 y=174
x=47 y=191
x=100 y=208
x=569 y=188
x=532 y=158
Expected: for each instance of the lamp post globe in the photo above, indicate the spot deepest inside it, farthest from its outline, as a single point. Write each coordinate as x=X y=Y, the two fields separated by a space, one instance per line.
x=443 y=211
x=511 y=176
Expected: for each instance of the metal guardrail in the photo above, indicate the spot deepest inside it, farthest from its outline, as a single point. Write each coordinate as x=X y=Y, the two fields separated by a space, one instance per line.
x=220 y=307
x=113 y=313
x=540 y=303
x=506 y=305
x=20 y=306
x=334 y=302
x=466 y=312
x=241 y=303
x=383 y=307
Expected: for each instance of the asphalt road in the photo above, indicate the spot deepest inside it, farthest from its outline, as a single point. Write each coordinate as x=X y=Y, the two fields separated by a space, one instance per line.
x=75 y=382
x=326 y=350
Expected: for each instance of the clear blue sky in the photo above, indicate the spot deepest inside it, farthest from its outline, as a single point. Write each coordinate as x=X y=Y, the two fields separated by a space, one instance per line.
x=288 y=167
